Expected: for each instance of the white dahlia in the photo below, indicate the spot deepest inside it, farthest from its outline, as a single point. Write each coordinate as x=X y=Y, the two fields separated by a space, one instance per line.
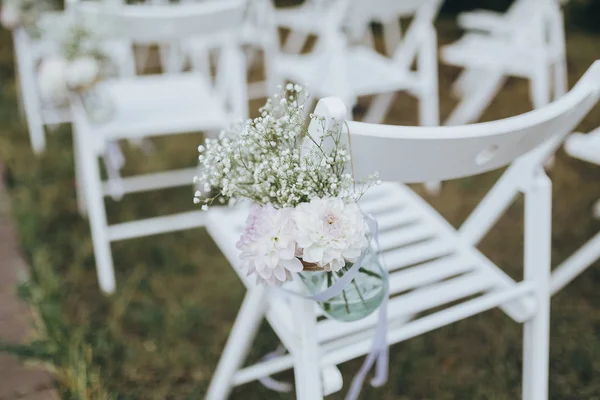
x=83 y=71
x=267 y=245
x=52 y=80
x=330 y=232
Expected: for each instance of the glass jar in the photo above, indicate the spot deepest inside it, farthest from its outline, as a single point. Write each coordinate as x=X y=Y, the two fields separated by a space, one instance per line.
x=360 y=297
x=98 y=104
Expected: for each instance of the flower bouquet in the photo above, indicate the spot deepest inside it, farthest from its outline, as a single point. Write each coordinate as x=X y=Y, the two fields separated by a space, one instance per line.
x=305 y=220
x=79 y=67
x=25 y=13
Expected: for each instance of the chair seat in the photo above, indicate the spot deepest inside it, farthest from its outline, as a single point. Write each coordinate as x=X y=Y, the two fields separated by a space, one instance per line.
x=430 y=266
x=160 y=105
x=384 y=75
x=584 y=146
x=491 y=52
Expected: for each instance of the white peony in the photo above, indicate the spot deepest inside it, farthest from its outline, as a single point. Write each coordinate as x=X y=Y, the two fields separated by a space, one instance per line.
x=82 y=71
x=10 y=16
x=267 y=245
x=330 y=232
x=52 y=80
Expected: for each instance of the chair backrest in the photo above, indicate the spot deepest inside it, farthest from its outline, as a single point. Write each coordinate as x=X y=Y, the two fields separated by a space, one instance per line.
x=421 y=154
x=160 y=23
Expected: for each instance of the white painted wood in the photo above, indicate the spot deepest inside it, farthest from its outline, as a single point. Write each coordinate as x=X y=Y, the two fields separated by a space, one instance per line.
x=536 y=331
x=159 y=180
x=162 y=23
x=475 y=148
x=584 y=147
x=156 y=225
x=239 y=342
x=433 y=266
x=527 y=41
x=157 y=105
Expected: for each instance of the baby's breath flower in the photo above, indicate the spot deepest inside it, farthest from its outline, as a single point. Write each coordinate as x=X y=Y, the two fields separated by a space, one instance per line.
x=262 y=159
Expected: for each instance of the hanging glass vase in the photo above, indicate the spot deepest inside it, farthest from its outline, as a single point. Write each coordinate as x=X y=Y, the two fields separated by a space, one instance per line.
x=98 y=103
x=363 y=295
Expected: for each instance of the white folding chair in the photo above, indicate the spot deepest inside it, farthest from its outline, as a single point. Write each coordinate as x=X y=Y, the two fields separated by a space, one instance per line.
x=528 y=42
x=336 y=68
x=156 y=105
x=585 y=147
x=29 y=52
x=258 y=33
x=431 y=264
x=301 y=22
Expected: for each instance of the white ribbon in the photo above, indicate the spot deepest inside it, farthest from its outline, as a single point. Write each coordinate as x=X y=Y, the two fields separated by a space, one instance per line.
x=379 y=353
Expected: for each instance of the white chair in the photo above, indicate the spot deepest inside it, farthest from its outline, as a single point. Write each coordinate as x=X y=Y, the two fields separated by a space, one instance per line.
x=156 y=105
x=337 y=68
x=528 y=42
x=29 y=52
x=430 y=263
x=585 y=147
x=301 y=22
x=257 y=33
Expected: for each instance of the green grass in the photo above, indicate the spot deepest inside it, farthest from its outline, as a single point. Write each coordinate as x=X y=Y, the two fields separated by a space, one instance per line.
x=161 y=334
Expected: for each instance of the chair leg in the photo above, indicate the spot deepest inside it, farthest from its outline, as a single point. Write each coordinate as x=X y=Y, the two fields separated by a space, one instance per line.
x=92 y=184
x=540 y=87
x=79 y=181
x=26 y=83
x=560 y=84
x=473 y=104
x=243 y=332
x=466 y=82
x=536 y=330
x=307 y=370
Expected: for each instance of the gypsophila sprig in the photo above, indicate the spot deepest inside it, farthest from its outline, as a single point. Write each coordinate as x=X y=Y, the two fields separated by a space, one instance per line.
x=263 y=159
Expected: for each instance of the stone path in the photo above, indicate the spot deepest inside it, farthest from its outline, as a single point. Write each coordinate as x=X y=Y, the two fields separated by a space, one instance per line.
x=16 y=381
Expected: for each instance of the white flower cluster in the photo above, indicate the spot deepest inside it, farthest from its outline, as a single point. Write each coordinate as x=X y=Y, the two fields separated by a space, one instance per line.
x=263 y=159
x=24 y=13
x=306 y=211
x=78 y=66
x=327 y=232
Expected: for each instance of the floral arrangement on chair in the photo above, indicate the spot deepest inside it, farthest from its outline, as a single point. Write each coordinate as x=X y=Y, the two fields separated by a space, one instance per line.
x=305 y=218
x=24 y=13
x=78 y=67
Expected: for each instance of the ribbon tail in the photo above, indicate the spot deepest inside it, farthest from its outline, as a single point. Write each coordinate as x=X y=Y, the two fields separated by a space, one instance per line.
x=273 y=384
x=382 y=366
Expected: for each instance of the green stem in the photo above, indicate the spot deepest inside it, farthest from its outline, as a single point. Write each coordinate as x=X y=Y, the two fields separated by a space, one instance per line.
x=327 y=306
x=358 y=290
x=346 y=301
x=370 y=273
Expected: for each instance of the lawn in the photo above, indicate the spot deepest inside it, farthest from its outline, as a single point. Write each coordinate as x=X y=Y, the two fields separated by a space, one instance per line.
x=161 y=334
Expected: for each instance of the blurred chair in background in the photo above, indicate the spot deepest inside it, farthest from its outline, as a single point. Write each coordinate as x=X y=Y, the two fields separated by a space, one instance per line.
x=585 y=147
x=29 y=52
x=156 y=105
x=528 y=41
